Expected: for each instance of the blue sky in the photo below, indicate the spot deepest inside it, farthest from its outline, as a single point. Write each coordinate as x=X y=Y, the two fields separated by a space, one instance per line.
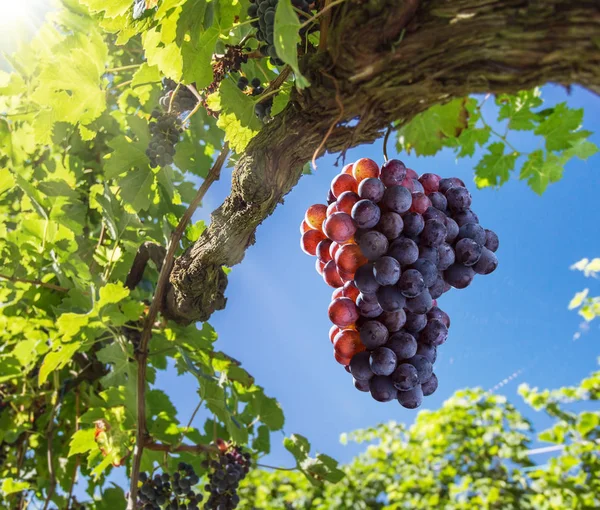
x=512 y=321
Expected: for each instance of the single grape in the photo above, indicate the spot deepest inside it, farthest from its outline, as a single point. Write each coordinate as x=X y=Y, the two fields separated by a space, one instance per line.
x=420 y=203
x=429 y=351
x=468 y=251
x=373 y=244
x=393 y=172
x=373 y=334
x=347 y=343
x=446 y=184
x=430 y=386
x=411 y=174
x=431 y=182
x=386 y=271
x=333 y=248
x=429 y=253
x=451 y=230
x=315 y=216
x=346 y=201
x=459 y=199
x=322 y=250
x=423 y=366
x=368 y=308
x=439 y=314
x=390 y=225
x=438 y=200
x=334 y=330
x=390 y=298
x=331 y=208
x=420 y=304
x=435 y=214
x=365 y=168
x=435 y=333
x=446 y=256
x=408 y=183
x=459 y=276
x=339 y=227
x=465 y=217
x=364 y=279
x=319 y=266
x=415 y=322
x=491 y=240
x=397 y=199
x=472 y=231
x=403 y=344
x=341 y=359
x=330 y=197
x=412 y=398
x=309 y=241
x=393 y=321
x=304 y=227
x=434 y=233
x=349 y=258
x=366 y=214
x=331 y=275
x=382 y=388
x=371 y=189
x=383 y=361
x=413 y=224
x=350 y=290
x=437 y=289
x=347 y=169
x=360 y=366
x=405 y=377
x=427 y=269
x=417 y=186
x=487 y=262
x=404 y=250
x=343 y=182
x=338 y=292
x=361 y=385
x=411 y=283
x=345 y=275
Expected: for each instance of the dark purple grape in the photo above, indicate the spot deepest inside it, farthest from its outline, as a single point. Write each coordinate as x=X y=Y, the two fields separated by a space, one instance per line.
x=464 y=217
x=413 y=224
x=373 y=244
x=366 y=214
x=411 y=399
x=383 y=361
x=437 y=289
x=427 y=269
x=434 y=233
x=415 y=322
x=439 y=314
x=404 y=250
x=382 y=388
x=446 y=256
x=364 y=279
x=429 y=253
x=435 y=333
x=405 y=377
x=368 y=308
x=360 y=368
x=361 y=385
x=429 y=351
x=430 y=386
x=393 y=321
x=451 y=230
x=390 y=298
x=330 y=197
x=393 y=172
x=420 y=304
x=491 y=240
x=403 y=344
x=397 y=199
x=468 y=251
x=459 y=199
x=371 y=189
x=423 y=366
x=434 y=214
x=459 y=276
x=438 y=200
x=390 y=225
x=386 y=271
x=417 y=186
x=472 y=231
x=373 y=334
x=487 y=262
x=411 y=283
x=450 y=182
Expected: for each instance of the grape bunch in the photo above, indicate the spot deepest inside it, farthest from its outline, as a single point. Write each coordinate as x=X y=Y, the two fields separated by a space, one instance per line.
x=170 y=492
x=264 y=10
x=262 y=109
x=183 y=101
x=391 y=243
x=165 y=129
x=227 y=473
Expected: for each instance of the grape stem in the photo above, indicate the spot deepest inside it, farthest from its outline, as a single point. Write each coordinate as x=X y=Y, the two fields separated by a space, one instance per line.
x=142 y=436
x=173 y=97
x=385 y=141
x=189 y=448
x=34 y=282
x=187 y=427
x=277 y=468
x=121 y=68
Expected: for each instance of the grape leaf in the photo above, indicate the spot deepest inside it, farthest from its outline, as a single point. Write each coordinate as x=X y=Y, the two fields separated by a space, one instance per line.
x=495 y=166
x=82 y=441
x=57 y=359
x=518 y=109
x=562 y=127
x=286 y=38
x=111 y=9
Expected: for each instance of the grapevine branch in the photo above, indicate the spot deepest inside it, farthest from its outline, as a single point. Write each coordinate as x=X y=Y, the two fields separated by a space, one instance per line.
x=46 y=285
x=142 y=439
x=189 y=448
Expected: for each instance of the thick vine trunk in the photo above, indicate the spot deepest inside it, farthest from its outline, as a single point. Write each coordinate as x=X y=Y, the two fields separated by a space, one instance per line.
x=387 y=60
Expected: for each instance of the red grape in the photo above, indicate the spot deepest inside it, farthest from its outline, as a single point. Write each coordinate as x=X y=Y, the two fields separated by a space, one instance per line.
x=315 y=216
x=331 y=275
x=420 y=203
x=347 y=169
x=393 y=172
x=347 y=343
x=349 y=258
x=319 y=265
x=340 y=359
x=346 y=201
x=411 y=174
x=310 y=240
x=339 y=292
x=334 y=330
x=345 y=276
x=339 y=227
x=343 y=182
x=365 y=168
x=343 y=312
x=304 y=227
x=331 y=208
x=431 y=182
x=323 y=250
x=350 y=291
x=334 y=248
x=408 y=184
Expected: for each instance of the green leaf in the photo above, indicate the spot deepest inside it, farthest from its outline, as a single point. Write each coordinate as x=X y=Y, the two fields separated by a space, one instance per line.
x=56 y=360
x=236 y=134
x=10 y=486
x=540 y=172
x=136 y=188
x=517 y=109
x=127 y=154
x=82 y=441
x=495 y=167
x=281 y=100
x=298 y=446
x=111 y=9
x=286 y=38
x=562 y=127
x=587 y=422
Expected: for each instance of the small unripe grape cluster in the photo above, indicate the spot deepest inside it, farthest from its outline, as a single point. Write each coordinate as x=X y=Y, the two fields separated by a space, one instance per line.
x=170 y=492
x=254 y=88
x=391 y=243
x=226 y=474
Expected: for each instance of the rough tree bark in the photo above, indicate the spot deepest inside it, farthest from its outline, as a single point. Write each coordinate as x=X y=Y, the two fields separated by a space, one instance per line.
x=386 y=60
